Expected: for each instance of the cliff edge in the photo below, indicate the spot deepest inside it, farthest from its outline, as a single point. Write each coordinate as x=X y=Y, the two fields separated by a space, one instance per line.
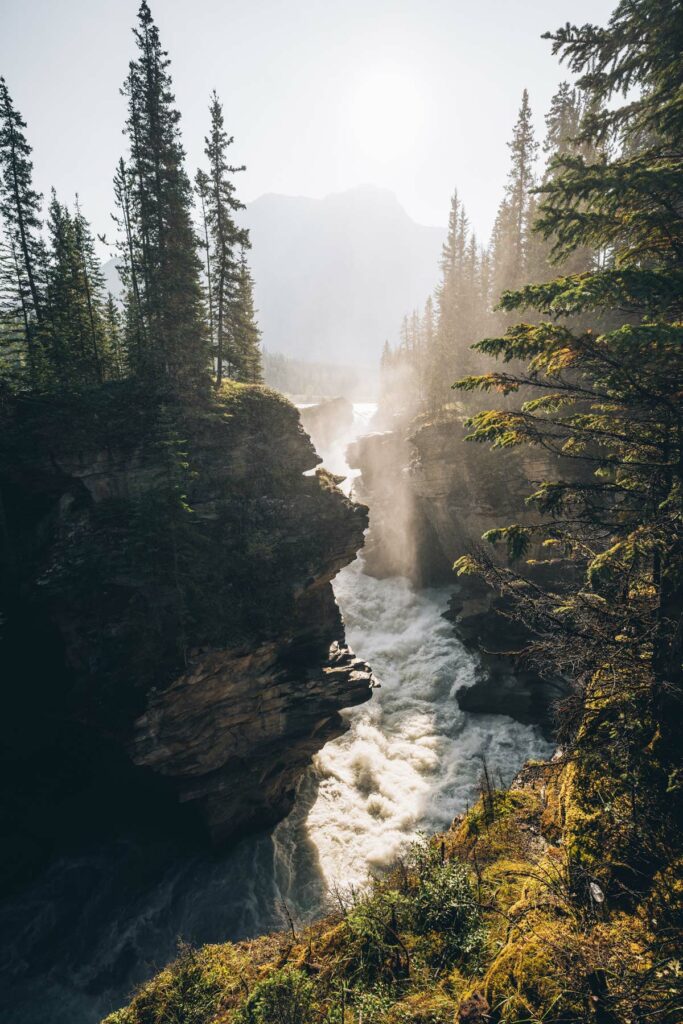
x=169 y=634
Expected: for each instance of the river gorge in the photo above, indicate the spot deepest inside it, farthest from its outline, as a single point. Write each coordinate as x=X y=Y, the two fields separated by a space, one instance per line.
x=411 y=759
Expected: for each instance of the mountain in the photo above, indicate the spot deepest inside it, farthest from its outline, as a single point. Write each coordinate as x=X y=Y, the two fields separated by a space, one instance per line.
x=335 y=276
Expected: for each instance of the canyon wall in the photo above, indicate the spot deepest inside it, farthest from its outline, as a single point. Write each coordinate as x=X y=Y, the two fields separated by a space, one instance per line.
x=169 y=631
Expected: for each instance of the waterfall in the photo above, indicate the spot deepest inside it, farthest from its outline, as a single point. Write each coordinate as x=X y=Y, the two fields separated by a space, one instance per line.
x=411 y=759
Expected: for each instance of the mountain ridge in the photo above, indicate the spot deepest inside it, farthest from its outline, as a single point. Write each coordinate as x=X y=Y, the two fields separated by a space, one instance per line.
x=334 y=276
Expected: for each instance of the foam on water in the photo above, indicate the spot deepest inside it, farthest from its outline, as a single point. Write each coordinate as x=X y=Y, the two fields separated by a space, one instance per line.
x=411 y=759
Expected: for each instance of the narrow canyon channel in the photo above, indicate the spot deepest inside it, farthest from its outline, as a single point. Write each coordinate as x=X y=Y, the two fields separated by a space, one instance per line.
x=409 y=762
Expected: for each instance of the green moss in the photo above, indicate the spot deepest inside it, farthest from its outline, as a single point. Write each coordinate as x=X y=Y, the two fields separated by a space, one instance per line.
x=285 y=996
x=423 y=1008
x=530 y=978
x=197 y=988
x=389 y=956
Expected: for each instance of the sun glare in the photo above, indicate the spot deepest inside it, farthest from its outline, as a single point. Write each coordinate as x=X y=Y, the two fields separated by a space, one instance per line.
x=385 y=114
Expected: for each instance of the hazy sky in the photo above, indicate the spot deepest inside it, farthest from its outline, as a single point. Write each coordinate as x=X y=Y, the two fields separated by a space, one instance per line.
x=415 y=95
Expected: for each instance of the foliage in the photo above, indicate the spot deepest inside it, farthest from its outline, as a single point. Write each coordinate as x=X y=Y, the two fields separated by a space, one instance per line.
x=232 y=316
x=59 y=331
x=436 y=345
x=548 y=952
x=23 y=260
x=160 y=247
x=284 y=997
x=601 y=395
x=167 y=579
x=310 y=379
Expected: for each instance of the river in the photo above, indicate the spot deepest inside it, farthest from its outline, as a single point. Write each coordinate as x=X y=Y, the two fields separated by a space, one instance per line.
x=410 y=761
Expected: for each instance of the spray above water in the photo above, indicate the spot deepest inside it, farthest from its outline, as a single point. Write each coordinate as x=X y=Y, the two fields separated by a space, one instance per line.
x=411 y=759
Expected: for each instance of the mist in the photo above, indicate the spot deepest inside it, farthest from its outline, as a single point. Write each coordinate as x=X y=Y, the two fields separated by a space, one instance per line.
x=341 y=557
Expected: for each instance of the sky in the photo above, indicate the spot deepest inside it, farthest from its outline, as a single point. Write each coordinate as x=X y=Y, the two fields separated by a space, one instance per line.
x=418 y=96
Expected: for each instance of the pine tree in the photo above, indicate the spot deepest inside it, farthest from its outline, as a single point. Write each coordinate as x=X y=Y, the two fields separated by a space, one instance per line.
x=202 y=190
x=154 y=195
x=607 y=402
x=246 y=337
x=511 y=243
x=23 y=258
x=221 y=203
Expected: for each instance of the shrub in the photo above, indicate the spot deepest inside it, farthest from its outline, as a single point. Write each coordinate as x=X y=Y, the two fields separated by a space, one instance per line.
x=284 y=997
x=445 y=902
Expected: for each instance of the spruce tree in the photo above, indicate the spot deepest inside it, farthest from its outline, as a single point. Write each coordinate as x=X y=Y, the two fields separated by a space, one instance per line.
x=74 y=337
x=202 y=190
x=563 y=127
x=131 y=269
x=562 y=122
x=23 y=258
x=607 y=403
x=449 y=297
x=92 y=283
x=115 y=339
x=227 y=239
x=13 y=319
x=246 y=335
x=521 y=180
x=425 y=377
x=154 y=195
x=512 y=232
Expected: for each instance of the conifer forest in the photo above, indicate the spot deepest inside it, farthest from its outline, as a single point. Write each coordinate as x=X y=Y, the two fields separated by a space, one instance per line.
x=341 y=556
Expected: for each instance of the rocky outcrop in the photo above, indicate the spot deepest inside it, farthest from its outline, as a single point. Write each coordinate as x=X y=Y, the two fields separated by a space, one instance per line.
x=465 y=489
x=168 y=608
x=327 y=420
x=433 y=495
x=401 y=541
x=238 y=728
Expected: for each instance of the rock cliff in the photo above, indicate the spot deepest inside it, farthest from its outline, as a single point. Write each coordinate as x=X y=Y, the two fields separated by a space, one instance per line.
x=169 y=627
x=328 y=420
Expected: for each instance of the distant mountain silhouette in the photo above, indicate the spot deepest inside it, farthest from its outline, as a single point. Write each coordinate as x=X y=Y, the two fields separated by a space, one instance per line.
x=335 y=276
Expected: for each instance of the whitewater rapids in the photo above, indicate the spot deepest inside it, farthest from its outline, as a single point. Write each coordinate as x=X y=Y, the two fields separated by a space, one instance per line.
x=411 y=759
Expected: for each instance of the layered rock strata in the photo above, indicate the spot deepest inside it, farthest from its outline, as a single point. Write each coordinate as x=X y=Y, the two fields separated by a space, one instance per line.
x=168 y=609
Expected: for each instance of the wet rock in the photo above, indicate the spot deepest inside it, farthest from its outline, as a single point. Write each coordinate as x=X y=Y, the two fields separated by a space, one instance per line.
x=432 y=496
x=401 y=540
x=327 y=420
x=220 y=676
x=237 y=731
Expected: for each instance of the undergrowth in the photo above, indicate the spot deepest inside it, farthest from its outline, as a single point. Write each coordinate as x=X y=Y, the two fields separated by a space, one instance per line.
x=484 y=923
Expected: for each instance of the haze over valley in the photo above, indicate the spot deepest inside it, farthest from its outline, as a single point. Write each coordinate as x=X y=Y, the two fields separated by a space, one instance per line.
x=341 y=512
x=333 y=277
